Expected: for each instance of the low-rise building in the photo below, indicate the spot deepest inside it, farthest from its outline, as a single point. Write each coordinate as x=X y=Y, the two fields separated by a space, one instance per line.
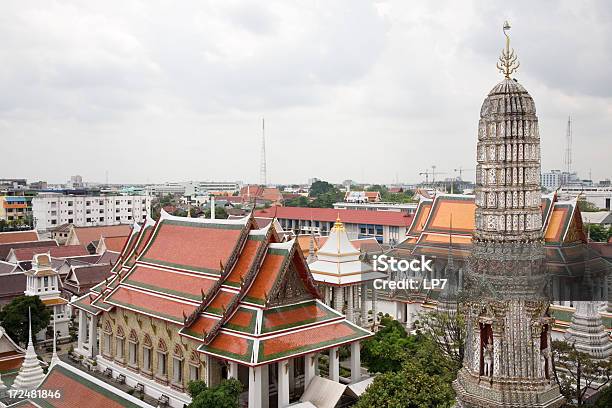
x=408 y=208
x=51 y=210
x=387 y=227
x=601 y=197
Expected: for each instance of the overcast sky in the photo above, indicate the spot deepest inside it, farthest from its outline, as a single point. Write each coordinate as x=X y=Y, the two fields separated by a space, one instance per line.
x=155 y=91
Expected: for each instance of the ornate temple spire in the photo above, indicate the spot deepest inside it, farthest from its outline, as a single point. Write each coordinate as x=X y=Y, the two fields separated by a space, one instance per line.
x=508 y=63
x=31 y=373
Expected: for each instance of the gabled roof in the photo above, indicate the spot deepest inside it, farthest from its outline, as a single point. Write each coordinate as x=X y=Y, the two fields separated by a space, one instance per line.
x=224 y=307
x=7 y=267
x=11 y=355
x=85 y=276
x=18 y=236
x=114 y=244
x=78 y=389
x=85 y=235
x=6 y=248
x=12 y=285
x=26 y=254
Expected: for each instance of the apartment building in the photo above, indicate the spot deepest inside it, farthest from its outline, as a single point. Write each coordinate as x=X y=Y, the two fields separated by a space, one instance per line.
x=52 y=209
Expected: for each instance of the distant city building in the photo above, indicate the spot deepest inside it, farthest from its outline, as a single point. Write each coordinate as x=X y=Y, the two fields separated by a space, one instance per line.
x=13 y=184
x=52 y=209
x=387 y=227
x=165 y=189
x=408 y=208
x=15 y=208
x=601 y=197
x=75 y=182
x=554 y=179
x=362 y=196
x=38 y=185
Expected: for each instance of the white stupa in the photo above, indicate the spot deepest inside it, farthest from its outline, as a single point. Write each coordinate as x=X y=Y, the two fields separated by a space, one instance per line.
x=31 y=373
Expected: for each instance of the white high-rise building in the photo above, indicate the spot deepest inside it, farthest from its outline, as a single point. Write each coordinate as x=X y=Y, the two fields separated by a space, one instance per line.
x=53 y=209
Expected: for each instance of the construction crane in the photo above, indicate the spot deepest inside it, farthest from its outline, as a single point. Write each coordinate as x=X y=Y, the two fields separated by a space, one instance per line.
x=433 y=173
x=461 y=170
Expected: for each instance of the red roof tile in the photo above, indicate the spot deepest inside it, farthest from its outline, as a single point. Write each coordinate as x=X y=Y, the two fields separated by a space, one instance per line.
x=26 y=254
x=6 y=248
x=392 y=218
x=115 y=244
x=172 y=283
x=87 y=234
x=18 y=236
x=268 y=273
x=200 y=247
x=244 y=263
x=156 y=305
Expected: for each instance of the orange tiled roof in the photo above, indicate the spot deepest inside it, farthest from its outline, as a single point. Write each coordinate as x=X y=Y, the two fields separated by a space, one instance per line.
x=18 y=236
x=68 y=251
x=85 y=235
x=178 y=284
x=115 y=244
x=245 y=262
x=285 y=317
x=268 y=273
x=158 y=306
x=308 y=340
x=198 y=247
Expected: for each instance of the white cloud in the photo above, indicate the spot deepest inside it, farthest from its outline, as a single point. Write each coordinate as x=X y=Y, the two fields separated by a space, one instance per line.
x=350 y=89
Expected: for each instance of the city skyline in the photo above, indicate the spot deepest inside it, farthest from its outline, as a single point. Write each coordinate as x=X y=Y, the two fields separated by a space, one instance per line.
x=377 y=93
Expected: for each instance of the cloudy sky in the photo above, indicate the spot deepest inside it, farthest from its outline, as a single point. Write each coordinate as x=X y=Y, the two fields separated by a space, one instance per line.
x=154 y=91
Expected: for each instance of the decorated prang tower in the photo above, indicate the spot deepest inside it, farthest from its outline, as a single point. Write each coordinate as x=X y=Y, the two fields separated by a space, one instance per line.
x=507 y=352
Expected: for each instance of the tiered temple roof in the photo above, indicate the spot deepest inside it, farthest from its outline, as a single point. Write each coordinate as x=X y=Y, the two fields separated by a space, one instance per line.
x=339 y=263
x=235 y=288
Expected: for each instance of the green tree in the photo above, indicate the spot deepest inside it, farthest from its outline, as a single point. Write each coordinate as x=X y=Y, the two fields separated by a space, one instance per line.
x=387 y=350
x=220 y=212
x=587 y=206
x=446 y=331
x=599 y=233
x=14 y=317
x=300 y=201
x=225 y=395
x=320 y=187
x=579 y=372
x=410 y=387
x=605 y=399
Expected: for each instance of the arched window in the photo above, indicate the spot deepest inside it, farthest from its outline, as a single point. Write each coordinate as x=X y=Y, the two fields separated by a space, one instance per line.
x=108 y=336
x=194 y=366
x=147 y=355
x=120 y=343
x=162 y=359
x=132 y=348
x=177 y=365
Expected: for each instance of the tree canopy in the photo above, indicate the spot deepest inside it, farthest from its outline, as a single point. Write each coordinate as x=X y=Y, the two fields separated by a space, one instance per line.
x=415 y=373
x=225 y=395
x=14 y=317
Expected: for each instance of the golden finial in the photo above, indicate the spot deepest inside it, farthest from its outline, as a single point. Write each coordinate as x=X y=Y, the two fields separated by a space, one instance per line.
x=507 y=61
x=338 y=224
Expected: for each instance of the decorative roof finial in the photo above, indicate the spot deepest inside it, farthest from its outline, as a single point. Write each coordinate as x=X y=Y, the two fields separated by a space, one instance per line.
x=508 y=63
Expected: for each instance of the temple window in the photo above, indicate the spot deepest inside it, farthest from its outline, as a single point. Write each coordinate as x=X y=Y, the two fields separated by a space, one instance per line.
x=120 y=344
x=194 y=367
x=177 y=365
x=162 y=359
x=132 y=349
x=108 y=337
x=146 y=353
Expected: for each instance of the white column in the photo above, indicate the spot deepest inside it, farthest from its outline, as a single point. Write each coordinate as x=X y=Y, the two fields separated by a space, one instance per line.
x=82 y=328
x=350 y=316
x=327 y=290
x=364 y=304
x=355 y=362
x=93 y=336
x=334 y=364
x=310 y=367
x=291 y=375
x=338 y=298
x=265 y=386
x=255 y=387
x=374 y=306
x=399 y=308
x=283 y=383
x=232 y=370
